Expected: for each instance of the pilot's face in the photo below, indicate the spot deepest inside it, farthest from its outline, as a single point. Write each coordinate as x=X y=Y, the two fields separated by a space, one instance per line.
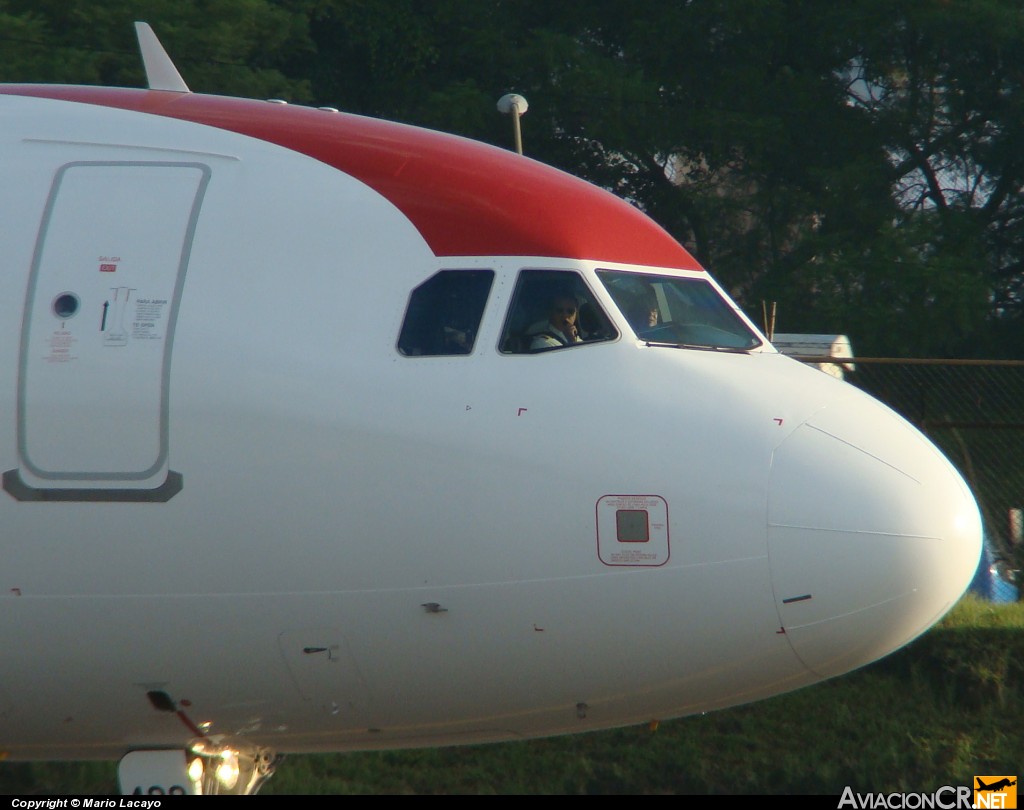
x=563 y=313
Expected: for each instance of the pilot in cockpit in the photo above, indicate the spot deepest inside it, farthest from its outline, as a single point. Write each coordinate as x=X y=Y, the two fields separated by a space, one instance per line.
x=642 y=312
x=561 y=328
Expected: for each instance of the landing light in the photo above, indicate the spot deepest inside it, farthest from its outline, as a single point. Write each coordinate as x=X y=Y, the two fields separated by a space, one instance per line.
x=227 y=770
x=195 y=771
x=217 y=766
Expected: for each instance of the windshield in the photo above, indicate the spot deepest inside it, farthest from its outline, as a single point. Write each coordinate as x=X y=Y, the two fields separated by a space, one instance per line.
x=677 y=311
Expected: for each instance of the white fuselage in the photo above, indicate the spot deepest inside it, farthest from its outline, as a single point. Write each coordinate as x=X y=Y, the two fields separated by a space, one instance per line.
x=374 y=550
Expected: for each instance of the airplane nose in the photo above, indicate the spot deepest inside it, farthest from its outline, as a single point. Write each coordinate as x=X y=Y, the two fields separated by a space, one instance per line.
x=872 y=535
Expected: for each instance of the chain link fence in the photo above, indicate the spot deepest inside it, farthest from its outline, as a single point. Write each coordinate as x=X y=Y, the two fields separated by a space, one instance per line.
x=974 y=411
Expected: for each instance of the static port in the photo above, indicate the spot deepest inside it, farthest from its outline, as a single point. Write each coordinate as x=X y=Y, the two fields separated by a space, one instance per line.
x=66 y=305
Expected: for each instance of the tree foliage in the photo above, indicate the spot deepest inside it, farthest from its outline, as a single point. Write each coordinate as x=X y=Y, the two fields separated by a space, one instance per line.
x=236 y=47
x=858 y=161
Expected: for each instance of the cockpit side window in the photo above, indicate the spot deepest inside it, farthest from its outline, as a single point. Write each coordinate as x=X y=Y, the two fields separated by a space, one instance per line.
x=553 y=309
x=678 y=311
x=444 y=313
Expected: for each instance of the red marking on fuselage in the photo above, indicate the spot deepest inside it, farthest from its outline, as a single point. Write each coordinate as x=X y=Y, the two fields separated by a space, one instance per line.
x=465 y=198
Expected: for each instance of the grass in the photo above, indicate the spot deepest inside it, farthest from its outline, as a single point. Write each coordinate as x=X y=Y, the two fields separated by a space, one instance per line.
x=949 y=706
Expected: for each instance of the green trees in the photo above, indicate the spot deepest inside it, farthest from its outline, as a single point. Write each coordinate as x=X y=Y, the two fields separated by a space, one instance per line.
x=856 y=161
x=236 y=47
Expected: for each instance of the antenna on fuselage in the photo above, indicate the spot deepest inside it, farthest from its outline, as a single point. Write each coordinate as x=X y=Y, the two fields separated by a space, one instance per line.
x=516 y=105
x=769 y=320
x=161 y=74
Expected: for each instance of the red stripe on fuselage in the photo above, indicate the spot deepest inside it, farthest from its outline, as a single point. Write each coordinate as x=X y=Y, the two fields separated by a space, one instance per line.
x=464 y=197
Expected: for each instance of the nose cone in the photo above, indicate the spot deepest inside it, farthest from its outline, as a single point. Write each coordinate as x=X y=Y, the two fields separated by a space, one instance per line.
x=872 y=535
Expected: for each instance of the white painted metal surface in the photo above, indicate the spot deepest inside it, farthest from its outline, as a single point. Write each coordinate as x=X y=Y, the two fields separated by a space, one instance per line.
x=373 y=550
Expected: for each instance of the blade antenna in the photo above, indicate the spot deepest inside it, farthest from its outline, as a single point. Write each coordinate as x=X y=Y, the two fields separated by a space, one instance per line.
x=160 y=70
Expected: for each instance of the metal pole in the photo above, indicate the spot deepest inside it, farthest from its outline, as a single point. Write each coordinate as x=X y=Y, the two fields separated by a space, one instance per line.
x=515 y=105
x=517 y=132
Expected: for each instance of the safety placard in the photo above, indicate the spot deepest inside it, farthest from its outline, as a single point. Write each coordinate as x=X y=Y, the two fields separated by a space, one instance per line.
x=632 y=530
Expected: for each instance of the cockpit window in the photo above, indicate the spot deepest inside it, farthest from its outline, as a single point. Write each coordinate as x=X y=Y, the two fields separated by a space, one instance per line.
x=444 y=313
x=677 y=311
x=551 y=310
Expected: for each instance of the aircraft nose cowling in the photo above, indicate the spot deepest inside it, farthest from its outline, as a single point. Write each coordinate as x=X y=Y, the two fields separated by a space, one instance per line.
x=872 y=535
